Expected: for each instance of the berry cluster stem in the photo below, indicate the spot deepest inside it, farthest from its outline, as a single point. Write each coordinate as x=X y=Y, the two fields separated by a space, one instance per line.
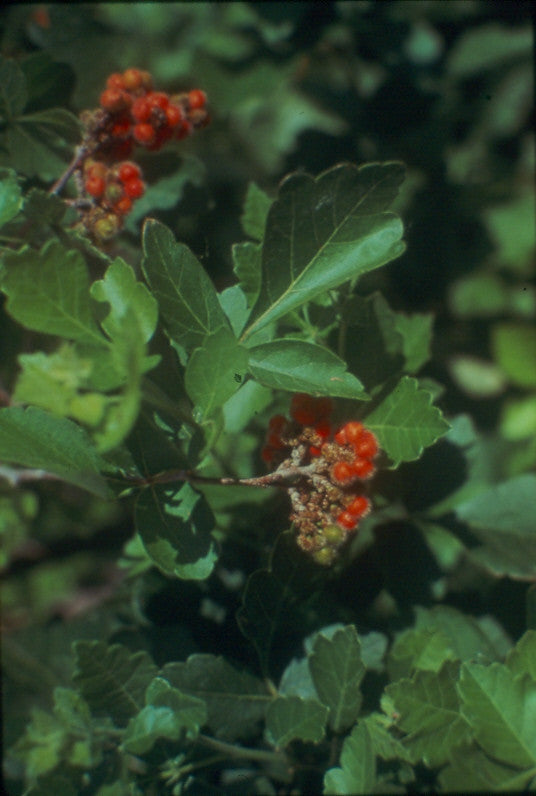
x=283 y=478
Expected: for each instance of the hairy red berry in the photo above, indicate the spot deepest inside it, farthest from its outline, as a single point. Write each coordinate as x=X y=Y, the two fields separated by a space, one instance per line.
x=134 y=188
x=144 y=133
x=347 y=520
x=95 y=169
x=367 y=446
x=277 y=423
x=141 y=110
x=123 y=206
x=354 y=431
x=128 y=170
x=122 y=127
x=359 y=506
x=362 y=468
x=183 y=130
x=324 y=407
x=114 y=100
x=323 y=428
x=267 y=454
x=314 y=450
x=115 y=80
x=95 y=186
x=342 y=472
x=196 y=99
x=132 y=79
x=340 y=436
x=157 y=99
x=174 y=115
x=302 y=409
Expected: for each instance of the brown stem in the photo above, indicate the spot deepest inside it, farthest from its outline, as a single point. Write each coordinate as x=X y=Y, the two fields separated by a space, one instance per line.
x=282 y=478
x=81 y=154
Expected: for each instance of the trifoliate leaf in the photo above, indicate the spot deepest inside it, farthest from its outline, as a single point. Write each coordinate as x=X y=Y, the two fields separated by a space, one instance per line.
x=290 y=718
x=337 y=670
x=406 y=422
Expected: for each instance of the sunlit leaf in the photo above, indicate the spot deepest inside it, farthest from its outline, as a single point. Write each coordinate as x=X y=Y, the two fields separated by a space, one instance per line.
x=290 y=717
x=357 y=772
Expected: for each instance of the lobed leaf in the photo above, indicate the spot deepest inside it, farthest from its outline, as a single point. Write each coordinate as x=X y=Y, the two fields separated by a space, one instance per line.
x=215 y=371
x=291 y=718
x=185 y=295
x=48 y=291
x=502 y=518
x=357 y=773
x=175 y=527
x=33 y=438
x=522 y=658
x=111 y=679
x=322 y=232
x=406 y=422
x=429 y=714
x=337 y=670
x=470 y=770
x=236 y=701
x=500 y=708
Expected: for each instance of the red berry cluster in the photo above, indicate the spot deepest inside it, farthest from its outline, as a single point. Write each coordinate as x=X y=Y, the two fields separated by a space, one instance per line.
x=131 y=113
x=325 y=505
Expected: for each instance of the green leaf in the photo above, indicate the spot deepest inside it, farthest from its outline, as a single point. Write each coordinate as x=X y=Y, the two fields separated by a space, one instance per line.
x=40 y=144
x=41 y=746
x=298 y=366
x=175 y=527
x=10 y=196
x=270 y=598
x=43 y=208
x=416 y=332
x=425 y=648
x=502 y=518
x=256 y=207
x=13 y=92
x=215 y=371
x=111 y=679
x=468 y=637
x=48 y=291
x=185 y=295
x=123 y=293
x=167 y=714
x=247 y=259
x=522 y=658
x=429 y=714
x=514 y=350
x=46 y=80
x=385 y=744
x=291 y=718
x=53 y=785
x=469 y=770
x=500 y=708
x=406 y=422
x=337 y=670
x=33 y=438
x=236 y=700
x=357 y=773
x=321 y=233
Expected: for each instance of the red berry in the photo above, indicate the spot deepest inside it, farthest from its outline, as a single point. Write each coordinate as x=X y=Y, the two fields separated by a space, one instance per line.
x=340 y=436
x=342 y=471
x=157 y=99
x=119 y=150
x=314 y=451
x=114 y=100
x=128 y=170
x=196 y=99
x=362 y=468
x=123 y=206
x=354 y=431
x=144 y=133
x=303 y=410
x=141 y=110
x=95 y=186
x=267 y=454
x=121 y=127
x=115 y=80
x=359 y=506
x=367 y=447
x=347 y=520
x=275 y=441
x=132 y=79
x=323 y=428
x=174 y=115
x=134 y=188
x=277 y=423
